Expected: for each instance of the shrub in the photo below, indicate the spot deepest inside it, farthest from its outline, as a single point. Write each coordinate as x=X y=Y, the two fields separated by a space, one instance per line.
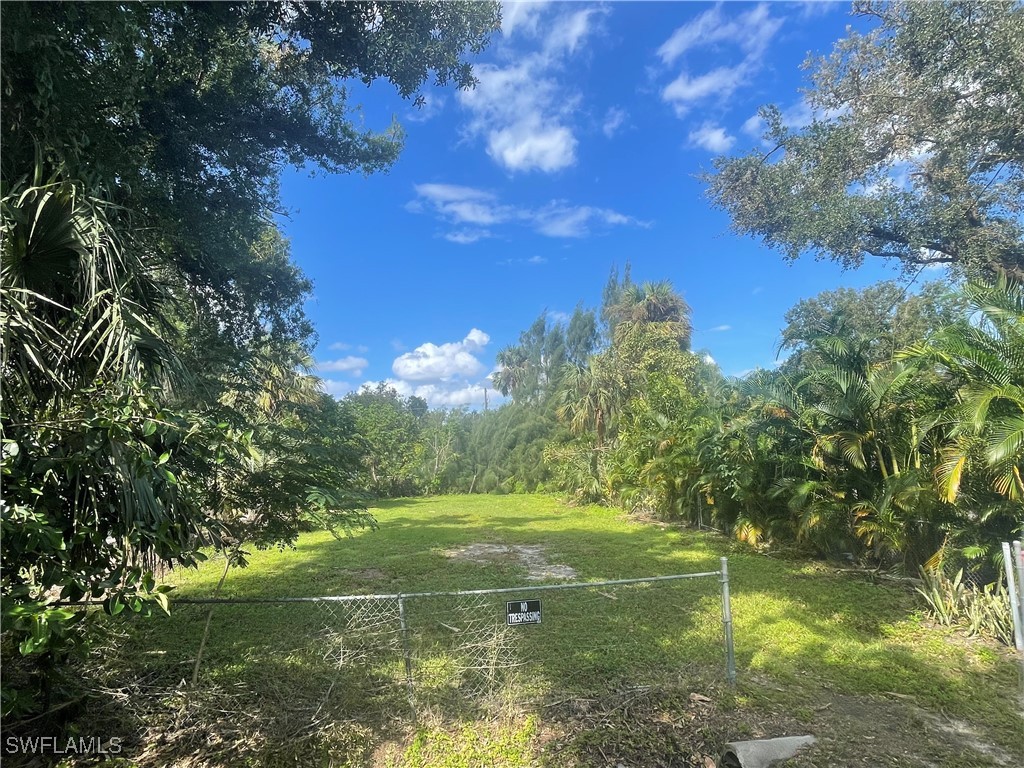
x=981 y=611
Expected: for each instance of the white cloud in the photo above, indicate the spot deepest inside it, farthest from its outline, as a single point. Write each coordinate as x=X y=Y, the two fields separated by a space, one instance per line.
x=569 y=30
x=720 y=328
x=530 y=145
x=520 y=15
x=712 y=137
x=439 y=395
x=350 y=363
x=690 y=35
x=558 y=219
x=523 y=116
x=467 y=236
x=476 y=208
x=522 y=110
x=476 y=340
x=750 y=32
x=685 y=91
x=336 y=388
x=342 y=346
x=613 y=120
x=709 y=359
x=451 y=193
x=753 y=126
x=812 y=8
x=461 y=205
x=433 y=362
x=533 y=261
x=445 y=375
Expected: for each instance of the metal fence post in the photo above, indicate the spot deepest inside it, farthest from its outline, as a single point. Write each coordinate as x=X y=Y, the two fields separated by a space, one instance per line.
x=407 y=654
x=1011 y=588
x=730 y=653
x=1018 y=558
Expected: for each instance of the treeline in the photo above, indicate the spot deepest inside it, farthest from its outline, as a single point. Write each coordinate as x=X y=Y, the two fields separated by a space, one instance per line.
x=156 y=399
x=892 y=432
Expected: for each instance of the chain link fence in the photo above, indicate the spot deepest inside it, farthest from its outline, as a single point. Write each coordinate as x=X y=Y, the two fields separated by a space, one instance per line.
x=404 y=656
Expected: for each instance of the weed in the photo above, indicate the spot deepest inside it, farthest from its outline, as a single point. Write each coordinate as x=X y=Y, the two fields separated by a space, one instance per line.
x=984 y=611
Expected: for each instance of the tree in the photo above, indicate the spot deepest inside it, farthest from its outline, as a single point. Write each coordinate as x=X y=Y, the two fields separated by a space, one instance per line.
x=529 y=370
x=627 y=306
x=884 y=314
x=441 y=439
x=642 y=380
x=981 y=358
x=304 y=457
x=613 y=289
x=185 y=114
x=580 y=335
x=916 y=152
x=101 y=477
x=143 y=143
x=639 y=305
x=513 y=376
x=112 y=463
x=390 y=431
x=586 y=400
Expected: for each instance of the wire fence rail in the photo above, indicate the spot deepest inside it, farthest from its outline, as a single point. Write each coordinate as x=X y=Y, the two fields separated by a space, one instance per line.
x=467 y=650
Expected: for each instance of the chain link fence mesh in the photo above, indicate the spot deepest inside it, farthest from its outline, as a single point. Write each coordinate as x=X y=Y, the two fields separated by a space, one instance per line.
x=402 y=657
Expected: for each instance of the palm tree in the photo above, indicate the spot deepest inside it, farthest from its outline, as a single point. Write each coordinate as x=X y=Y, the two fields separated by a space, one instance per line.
x=982 y=359
x=99 y=474
x=639 y=305
x=514 y=371
x=586 y=400
x=79 y=300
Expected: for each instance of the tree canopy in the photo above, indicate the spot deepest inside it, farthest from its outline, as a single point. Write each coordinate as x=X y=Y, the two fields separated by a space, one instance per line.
x=185 y=113
x=154 y=355
x=887 y=314
x=915 y=153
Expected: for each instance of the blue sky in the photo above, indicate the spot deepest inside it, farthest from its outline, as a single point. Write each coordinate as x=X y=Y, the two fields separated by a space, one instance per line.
x=579 y=150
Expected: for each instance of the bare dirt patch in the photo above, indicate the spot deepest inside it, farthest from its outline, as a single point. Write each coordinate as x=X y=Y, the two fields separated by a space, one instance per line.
x=530 y=557
x=674 y=725
x=868 y=731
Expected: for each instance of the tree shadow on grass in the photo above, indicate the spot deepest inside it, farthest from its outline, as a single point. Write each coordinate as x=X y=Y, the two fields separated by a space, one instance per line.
x=269 y=667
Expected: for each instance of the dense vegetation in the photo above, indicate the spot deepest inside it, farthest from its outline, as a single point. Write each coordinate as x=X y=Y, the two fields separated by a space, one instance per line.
x=155 y=354
x=155 y=359
x=891 y=433
x=893 y=430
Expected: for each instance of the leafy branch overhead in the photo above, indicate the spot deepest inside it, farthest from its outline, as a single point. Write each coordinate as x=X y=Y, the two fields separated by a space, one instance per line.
x=155 y=351
x=186 y=113
x=910 y=154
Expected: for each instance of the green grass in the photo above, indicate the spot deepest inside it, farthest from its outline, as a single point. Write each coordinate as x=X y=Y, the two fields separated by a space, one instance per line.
x=814 y=647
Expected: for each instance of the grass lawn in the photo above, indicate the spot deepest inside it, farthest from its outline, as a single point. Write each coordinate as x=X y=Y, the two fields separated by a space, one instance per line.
x=626 y=675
